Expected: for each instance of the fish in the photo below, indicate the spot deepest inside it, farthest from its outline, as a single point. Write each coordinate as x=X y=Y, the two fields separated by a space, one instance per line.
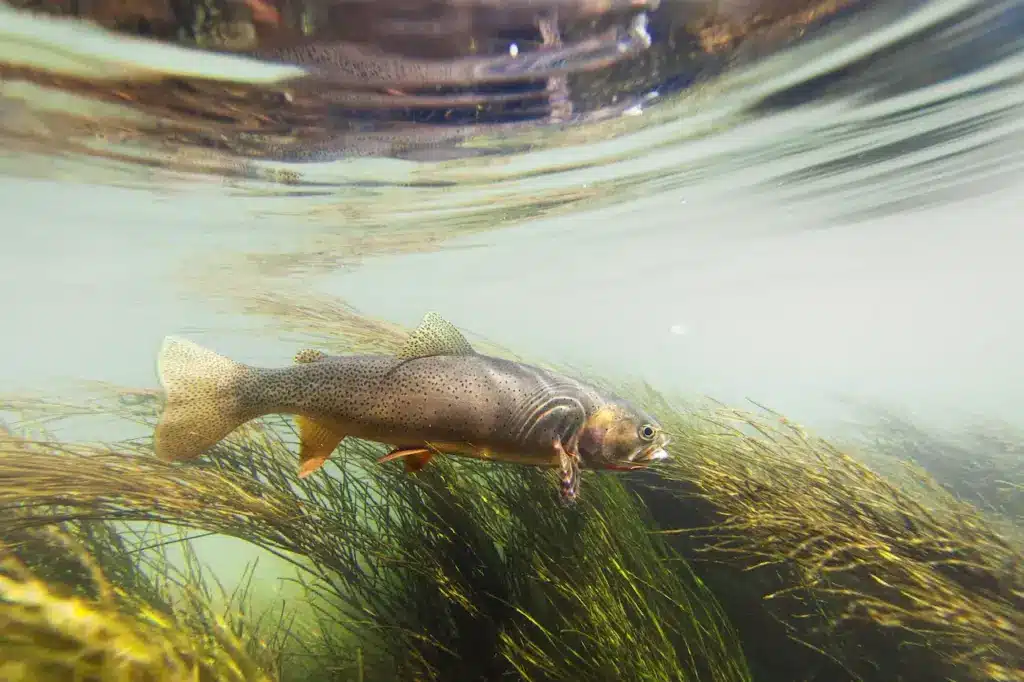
x=436 y=395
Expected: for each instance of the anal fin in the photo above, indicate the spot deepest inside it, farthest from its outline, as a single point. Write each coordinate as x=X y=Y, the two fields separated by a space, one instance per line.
x=316 y=443
x=415 y=458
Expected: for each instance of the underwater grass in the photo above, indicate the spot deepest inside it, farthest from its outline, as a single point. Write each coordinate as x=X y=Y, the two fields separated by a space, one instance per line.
x=891 y=581
x=800 y=561
x=464 y=572
x=475 y=571
x=93 y=629
x=981 y=463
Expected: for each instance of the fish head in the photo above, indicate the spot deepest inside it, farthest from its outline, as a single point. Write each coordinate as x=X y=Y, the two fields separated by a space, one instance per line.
x=617 y=435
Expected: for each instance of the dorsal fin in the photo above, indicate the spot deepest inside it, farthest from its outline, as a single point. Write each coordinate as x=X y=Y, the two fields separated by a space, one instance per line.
x=435 y=336
x=307 y=355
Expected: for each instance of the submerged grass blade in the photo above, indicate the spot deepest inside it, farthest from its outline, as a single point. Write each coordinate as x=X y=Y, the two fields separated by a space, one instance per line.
x=828 y=570
x=50 y=634
x=466 y=571
x=870 y=555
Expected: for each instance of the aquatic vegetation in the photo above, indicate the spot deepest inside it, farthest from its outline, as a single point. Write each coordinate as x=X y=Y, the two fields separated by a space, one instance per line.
x=466 y=571
x=983 y=464
x=891 y=579
x=100 y=626
x=323 y=322
x=778 y=549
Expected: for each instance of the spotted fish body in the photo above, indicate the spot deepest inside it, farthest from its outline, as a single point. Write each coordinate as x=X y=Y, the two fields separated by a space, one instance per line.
x=436 y=395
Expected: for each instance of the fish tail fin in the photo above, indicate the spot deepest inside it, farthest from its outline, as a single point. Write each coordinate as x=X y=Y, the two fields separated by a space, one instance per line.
x=202 y=405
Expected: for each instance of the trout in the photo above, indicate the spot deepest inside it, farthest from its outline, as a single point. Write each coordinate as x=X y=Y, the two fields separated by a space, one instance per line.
x=436 y=395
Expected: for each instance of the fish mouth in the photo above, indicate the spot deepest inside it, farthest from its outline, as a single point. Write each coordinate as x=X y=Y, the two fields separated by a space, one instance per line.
x=653 y=453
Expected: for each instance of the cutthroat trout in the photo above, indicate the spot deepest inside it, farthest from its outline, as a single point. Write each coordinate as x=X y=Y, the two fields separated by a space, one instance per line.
x=436 y=395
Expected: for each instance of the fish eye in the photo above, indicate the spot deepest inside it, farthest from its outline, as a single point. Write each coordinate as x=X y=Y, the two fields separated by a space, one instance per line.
x=646 y=432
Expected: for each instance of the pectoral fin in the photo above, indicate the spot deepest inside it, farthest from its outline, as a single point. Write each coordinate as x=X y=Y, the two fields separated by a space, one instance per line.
x=569 y=466
x=415 y=458
x=316 y=443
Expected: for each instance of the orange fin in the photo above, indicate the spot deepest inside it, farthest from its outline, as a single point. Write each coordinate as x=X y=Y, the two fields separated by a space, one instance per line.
x=415 y=458
x=316 y=443
x=414 y=463
x=264 y=12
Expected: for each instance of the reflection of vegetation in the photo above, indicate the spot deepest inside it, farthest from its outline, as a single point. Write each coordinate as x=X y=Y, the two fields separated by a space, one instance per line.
x=366 y=234
x=174 y=120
